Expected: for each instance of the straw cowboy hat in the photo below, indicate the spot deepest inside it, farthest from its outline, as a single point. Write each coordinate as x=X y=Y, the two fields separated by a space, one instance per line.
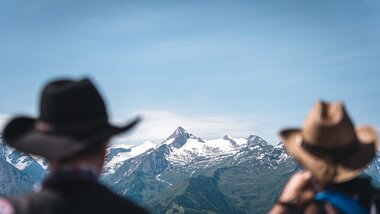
x=329 y=145
x=72 y=118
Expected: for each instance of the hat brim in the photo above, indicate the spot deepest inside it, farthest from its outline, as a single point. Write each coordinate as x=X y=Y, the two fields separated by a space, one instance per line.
x=326 y=171
x=21 y=134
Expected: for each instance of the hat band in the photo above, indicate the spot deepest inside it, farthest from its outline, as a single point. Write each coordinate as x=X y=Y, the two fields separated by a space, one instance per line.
x=335 y=154
x=70 y=128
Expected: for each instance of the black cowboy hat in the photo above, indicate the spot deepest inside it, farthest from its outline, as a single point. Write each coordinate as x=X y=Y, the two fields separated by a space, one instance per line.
x=73 y=118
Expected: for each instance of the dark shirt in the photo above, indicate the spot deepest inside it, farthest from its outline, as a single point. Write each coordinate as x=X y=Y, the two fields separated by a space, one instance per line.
x=75 y=193
x=359 y=189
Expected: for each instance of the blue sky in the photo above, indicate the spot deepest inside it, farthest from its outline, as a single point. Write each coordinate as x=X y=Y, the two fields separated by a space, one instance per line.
x=213 y=67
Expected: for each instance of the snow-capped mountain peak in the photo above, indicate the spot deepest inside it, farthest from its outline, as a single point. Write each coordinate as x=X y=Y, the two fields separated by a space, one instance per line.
x=256 y=140
x=226 y=137
x=178 y=138
x=179 y=133
x=186 y=150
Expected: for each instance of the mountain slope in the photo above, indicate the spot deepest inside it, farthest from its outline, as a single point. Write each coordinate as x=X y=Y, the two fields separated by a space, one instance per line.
x=12 y=179
x=33 y=167
x=194 y=195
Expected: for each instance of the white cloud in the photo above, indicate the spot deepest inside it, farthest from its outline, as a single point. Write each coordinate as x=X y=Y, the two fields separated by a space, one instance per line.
x=3 y=121
x=158 y=125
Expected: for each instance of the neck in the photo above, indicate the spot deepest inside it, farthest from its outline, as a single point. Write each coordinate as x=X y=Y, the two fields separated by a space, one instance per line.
x=76 y=167
x=94 y=165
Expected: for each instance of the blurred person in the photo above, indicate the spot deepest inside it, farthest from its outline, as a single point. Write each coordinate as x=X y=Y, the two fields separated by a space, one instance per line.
x=333 y=153
x=72 y=133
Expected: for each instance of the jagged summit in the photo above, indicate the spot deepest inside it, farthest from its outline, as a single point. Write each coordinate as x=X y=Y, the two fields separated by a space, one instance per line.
x=256 y=140
x=179 y=132
x=178 y=138
x=251 y=137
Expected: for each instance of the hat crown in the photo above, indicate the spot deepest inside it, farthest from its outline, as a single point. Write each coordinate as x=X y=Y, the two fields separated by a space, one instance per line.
x=328 y=125
x=68 y=102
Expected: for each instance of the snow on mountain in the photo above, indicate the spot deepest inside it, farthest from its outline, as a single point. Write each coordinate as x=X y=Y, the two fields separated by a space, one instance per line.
x=21 y=160
x=119 y=153
x=137 y=150
x=33 y=167
x=178 y=138
x=187 y=155
x=197 y=148
x=196 y=153
x=280 y=153
x=239 y=141
x=179 y=132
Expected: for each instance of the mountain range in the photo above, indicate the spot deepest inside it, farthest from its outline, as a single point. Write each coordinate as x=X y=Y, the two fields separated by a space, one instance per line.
x=183 y=174
x=188 y=174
